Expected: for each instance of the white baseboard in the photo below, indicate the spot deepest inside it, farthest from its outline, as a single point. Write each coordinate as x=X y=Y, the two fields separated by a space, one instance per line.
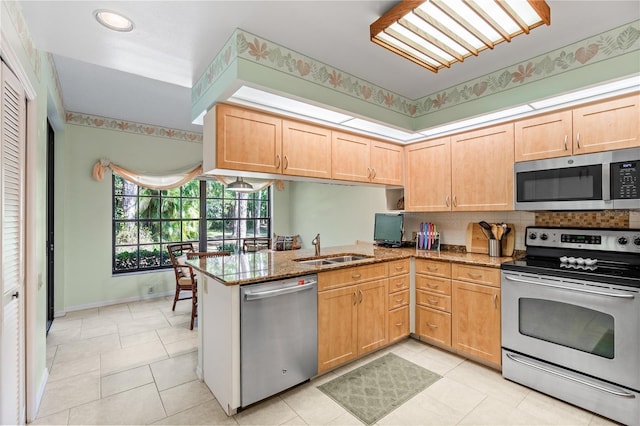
x=114 y=302
x=40 y=393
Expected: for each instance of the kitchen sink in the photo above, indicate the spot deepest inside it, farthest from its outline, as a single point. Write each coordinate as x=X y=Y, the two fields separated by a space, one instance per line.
x=332 y=260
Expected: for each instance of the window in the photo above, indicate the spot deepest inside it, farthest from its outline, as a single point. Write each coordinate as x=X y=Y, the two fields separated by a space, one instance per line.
x=146 y=220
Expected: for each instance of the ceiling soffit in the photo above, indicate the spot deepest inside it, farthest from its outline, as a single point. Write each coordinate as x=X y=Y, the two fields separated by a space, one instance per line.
x=249 y=59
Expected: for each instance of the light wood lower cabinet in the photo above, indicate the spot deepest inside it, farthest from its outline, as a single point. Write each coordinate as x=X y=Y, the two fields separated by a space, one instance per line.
x=475 y=327
x=352 y=313
x=433 y=301
x=399 y=298
x=434 y=325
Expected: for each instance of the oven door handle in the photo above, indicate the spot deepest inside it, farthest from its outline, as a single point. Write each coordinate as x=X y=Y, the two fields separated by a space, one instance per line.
x=532 y=364
x=579 y=290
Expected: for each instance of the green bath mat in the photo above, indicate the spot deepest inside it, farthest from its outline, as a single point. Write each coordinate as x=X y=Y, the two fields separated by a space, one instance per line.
x=372 y=391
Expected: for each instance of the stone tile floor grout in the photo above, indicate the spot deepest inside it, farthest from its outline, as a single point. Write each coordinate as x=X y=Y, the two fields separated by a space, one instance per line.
x=468 y=393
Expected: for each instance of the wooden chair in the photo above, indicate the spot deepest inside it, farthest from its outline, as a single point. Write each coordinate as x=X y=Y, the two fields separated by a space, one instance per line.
x=185 y=275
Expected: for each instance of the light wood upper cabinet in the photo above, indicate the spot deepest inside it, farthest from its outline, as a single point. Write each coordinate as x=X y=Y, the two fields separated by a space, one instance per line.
x=602 y=126
x=306 y=150
x=428 y=176
x=482 y=169
x=359 y=159
x=544 y=136
x=247 y=140
x=350 y=157
x=386 y=163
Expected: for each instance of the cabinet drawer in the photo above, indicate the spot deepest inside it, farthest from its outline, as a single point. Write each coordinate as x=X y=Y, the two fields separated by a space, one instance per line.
x=398 y=299
x=398 y=324
x=433 y=267
x=434 y=325
x=399 y=283
x=398 y=267
x=343 y=277
x=476 y=274
x=434 y=284
x=432 y=300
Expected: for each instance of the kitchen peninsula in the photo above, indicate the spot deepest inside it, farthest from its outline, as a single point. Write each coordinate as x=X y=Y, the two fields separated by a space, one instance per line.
x=386 y=277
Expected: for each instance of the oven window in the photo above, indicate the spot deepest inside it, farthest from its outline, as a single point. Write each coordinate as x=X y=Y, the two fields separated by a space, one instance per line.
x=566 y=184
x=568 y=325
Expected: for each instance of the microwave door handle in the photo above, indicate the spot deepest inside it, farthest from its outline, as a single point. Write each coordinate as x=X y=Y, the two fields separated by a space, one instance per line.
x=606 y=182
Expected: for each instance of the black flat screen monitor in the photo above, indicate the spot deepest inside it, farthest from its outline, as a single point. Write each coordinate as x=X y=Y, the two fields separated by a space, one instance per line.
x=388 y=228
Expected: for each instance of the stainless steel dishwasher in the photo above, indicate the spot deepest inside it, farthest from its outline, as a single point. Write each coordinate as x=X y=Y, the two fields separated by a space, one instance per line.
x=278 y=336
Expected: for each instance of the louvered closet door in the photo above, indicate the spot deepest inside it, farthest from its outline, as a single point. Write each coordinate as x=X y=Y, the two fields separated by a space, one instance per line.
x=12 y=132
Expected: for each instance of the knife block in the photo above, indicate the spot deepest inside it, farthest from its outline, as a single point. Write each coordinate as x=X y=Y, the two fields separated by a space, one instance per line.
x=435 y=244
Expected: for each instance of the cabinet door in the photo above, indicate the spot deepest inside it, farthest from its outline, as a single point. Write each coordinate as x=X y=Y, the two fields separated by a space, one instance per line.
x=372 y=316
x=386 y=163
x=428 y=176
x=350 y=157
x=306 y=150
x=607 y=125
x=476 y=320
x=247 y=140
x=544 y=136
x=482 y=169
x=337 y=327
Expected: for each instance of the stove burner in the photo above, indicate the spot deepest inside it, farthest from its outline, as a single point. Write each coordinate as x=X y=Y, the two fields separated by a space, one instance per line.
x=578 y=260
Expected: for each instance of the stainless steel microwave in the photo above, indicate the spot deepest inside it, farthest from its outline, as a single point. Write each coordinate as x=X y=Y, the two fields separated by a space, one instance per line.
x=600 y=181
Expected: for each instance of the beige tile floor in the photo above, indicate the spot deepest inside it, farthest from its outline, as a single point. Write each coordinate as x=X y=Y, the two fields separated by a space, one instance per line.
x=135 y=364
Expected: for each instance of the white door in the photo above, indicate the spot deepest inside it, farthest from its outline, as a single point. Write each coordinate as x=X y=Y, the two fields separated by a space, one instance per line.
x=12 y=155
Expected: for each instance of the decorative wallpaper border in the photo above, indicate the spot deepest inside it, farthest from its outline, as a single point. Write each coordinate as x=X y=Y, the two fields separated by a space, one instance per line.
x=56 y=81
x=15 y=15
x=247 y=46
x=99 y=122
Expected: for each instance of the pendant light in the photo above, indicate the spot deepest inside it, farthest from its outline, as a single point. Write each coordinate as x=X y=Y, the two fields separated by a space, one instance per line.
x=239 y=185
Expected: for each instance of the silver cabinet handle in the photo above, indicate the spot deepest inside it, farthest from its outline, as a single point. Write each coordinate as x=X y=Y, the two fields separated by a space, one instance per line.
x=400 y=300
x=432 y=285
x=361 y=295
x=355 y=298
x=579 y=290
x=278 y=161
x=474 y=275
x=532 y=364
x=356 y=276
x=369 y=173
x=432 y=325
x=374 y=174
x=446 y=201
x=578 y=140
x=399 y=283
x=433 y=301
x=399 y=324
x=286 y=162
x=565 y=142
x=432 y=268
x=495 y=301
x=455 y=201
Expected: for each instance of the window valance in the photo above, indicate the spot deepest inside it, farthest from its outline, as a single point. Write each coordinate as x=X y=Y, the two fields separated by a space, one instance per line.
x=172 y=179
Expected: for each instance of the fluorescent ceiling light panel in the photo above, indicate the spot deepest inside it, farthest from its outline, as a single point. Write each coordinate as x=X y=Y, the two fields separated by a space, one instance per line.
x=380 y=129
x=629 y=84
x=438 y=33
x=484 y=119
x=267 y=99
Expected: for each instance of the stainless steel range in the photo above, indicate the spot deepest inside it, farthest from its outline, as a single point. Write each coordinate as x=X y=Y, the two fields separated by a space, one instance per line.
x=571 y=318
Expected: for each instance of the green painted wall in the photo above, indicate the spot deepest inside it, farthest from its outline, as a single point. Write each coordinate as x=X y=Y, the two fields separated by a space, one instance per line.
x=86 y=210
x=341 y=214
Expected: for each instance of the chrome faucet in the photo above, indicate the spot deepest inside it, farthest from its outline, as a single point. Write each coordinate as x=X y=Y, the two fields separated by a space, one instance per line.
x=316 y=242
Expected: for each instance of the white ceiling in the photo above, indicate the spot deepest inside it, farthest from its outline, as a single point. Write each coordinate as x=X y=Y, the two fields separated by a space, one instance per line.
x=146 y=75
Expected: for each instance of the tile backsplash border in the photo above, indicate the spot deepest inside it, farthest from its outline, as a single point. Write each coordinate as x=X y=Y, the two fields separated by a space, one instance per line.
x=453 y=225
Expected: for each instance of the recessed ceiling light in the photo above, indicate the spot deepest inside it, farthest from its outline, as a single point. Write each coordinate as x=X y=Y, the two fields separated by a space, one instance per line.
x=113 y=20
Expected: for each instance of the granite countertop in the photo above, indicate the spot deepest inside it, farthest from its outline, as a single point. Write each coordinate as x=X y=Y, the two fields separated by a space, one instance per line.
x=268 y=265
